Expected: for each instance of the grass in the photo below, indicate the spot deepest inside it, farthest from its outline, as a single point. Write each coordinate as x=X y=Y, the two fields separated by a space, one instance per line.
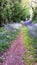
x=6 y=38
x=29 y=43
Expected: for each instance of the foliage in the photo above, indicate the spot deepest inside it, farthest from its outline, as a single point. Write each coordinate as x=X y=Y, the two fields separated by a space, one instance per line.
x=16 y=11
x=5 y=10
x=34 y=11
x=6 y=38
x=1 y=59
x=19 y=12
x=24 y=2
x=6 y=13
x=25 y=13
x=35 y=14
x=13 y=11
x=31 y=46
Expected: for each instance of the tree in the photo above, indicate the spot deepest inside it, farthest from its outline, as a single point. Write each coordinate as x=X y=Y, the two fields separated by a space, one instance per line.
x=5 y=11
x=35 y=14
x=33 y=4
x=1 y=8
x=16 y=11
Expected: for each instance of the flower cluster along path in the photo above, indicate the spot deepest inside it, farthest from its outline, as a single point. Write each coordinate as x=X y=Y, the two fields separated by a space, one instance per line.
x=14 y=55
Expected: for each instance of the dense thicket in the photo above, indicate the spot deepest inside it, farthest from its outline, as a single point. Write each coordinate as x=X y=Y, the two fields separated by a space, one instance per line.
x=12 y=11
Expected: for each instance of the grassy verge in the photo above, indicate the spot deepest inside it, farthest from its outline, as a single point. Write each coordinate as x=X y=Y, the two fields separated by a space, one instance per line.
x=6 y=38
x=29 y=43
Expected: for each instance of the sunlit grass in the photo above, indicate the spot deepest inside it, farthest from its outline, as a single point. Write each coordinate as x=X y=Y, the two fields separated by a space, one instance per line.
x=29 y=43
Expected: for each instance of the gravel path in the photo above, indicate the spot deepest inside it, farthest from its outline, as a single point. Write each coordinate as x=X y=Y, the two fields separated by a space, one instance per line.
x=15 y=53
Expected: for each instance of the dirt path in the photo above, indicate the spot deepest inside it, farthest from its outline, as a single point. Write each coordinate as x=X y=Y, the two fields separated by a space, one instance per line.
x=15 y=53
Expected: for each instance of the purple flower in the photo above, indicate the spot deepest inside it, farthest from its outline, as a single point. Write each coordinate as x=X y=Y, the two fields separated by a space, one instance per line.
x=28 y=22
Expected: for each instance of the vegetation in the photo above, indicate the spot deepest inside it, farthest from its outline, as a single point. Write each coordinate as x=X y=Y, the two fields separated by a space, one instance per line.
x=15 y=12
x=6 y=38
x=6 y=13
x=34 y=9
x=5 y=10
x=12 y=11
x=35 y=14
x=30 y=44
x=1 y=60
x=19 y=12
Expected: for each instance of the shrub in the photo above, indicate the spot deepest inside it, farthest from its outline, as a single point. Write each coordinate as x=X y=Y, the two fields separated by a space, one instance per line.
x=16 y=10
x=6 y=13
x=35 y=14
x=25 y=13
x=13 y=11
x=19 y=12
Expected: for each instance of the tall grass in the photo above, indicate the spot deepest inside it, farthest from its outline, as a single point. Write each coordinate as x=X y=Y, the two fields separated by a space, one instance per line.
x=30 y=44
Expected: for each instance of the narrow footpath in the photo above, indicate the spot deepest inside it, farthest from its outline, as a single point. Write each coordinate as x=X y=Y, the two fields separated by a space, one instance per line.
x=15 y=53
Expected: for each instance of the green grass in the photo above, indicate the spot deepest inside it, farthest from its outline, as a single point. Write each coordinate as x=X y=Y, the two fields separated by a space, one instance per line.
x=29 y=43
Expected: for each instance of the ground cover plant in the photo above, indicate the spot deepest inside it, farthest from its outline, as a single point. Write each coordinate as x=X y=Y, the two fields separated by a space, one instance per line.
x=6 y=38
x=31 y=46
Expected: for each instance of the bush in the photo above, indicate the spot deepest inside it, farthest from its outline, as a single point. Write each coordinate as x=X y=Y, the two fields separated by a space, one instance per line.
x=25 y=13
x=16 y=10
x=13 y=11
x=6 y=13
x=35 y=14
x=19 y=13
